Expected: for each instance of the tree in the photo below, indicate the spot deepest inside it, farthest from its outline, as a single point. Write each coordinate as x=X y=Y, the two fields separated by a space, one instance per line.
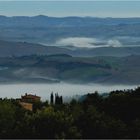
x=51 y=99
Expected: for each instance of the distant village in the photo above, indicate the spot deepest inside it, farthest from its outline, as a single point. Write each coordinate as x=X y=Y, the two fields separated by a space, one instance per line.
x=28 y=100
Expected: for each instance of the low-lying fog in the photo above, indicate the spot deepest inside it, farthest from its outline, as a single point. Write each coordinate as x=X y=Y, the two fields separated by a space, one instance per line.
x=66 y=90
x=93 y=42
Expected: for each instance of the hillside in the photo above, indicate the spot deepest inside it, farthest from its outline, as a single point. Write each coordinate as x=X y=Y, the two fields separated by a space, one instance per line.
x=64 y=68
x=69 y=49
x=115 y=116
x=8 y=48
x=48 y=30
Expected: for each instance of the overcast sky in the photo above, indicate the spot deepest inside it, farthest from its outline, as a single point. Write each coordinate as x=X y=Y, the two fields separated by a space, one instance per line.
x=71 y=8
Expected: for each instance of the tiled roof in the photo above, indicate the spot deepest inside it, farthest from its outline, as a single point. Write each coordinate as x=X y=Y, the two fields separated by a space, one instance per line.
x=30 y=96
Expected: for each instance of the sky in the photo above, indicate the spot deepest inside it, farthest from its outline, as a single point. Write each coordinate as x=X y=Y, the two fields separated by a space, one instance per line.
x=71 y=8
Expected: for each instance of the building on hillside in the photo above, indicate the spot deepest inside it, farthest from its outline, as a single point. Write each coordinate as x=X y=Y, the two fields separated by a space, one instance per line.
x=27 y=101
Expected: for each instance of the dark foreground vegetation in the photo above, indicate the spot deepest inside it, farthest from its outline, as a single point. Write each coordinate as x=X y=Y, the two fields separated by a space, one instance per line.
x=114 y=116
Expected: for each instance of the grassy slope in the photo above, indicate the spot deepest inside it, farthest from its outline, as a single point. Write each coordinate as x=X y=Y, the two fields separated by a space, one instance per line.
x=73 y=69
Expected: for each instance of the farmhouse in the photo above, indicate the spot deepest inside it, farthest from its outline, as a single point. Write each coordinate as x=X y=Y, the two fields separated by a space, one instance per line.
x=27 y=101
x=28 y=106
x=30 y=98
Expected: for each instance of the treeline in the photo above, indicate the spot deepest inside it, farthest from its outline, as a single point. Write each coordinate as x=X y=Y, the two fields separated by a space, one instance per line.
x=94 y=116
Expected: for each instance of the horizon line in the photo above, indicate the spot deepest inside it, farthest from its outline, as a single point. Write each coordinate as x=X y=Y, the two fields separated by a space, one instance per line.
x=69 y=16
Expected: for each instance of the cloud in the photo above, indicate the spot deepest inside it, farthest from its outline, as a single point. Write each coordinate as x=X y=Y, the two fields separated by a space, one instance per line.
x=85 y=42
x=77 y=42
x=114 y=43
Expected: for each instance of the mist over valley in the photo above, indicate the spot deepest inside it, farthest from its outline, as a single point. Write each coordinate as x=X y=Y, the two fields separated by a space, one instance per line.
x=73 y=50
x=68 y=91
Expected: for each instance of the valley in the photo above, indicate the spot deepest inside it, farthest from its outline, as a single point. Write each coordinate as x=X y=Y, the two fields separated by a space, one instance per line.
x=65 y=68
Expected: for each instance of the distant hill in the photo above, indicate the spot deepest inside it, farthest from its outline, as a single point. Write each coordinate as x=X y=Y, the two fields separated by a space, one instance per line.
x=64 y=68
x=41 y=49
x=44 y=29
x=8 y=48
x=46 y=21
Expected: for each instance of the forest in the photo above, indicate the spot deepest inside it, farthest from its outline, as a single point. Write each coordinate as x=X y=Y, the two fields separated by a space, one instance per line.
x=115 y=115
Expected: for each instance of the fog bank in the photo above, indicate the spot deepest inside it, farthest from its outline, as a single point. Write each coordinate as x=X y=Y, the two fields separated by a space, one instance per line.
x=85 y=42
x=66 y=90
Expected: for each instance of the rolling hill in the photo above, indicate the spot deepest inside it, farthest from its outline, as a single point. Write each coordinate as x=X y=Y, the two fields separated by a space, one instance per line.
x=65 y=68
x=8 y=48
x=47 y=30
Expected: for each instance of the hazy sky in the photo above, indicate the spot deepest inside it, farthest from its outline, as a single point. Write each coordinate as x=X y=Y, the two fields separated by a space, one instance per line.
x=71 y=8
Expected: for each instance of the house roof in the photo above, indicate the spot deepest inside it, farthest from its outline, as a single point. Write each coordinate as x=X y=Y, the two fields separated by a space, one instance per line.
x=30 y=96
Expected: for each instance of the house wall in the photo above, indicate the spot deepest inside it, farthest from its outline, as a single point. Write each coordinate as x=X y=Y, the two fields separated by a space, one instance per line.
x=27 y=106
